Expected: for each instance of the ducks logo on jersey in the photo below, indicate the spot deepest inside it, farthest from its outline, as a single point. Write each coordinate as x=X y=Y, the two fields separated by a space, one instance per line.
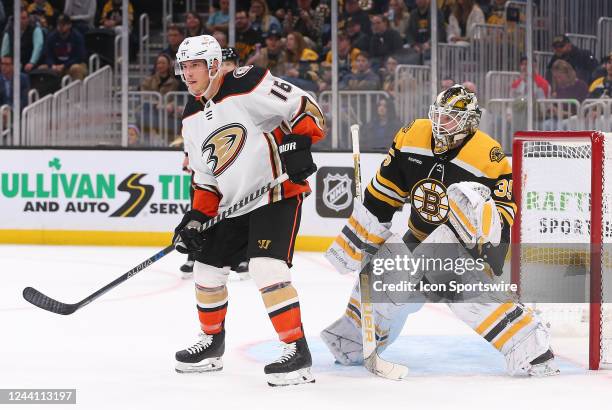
x=223 y=146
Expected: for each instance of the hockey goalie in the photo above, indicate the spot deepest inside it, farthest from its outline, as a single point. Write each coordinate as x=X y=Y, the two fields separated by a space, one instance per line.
x=459 y=186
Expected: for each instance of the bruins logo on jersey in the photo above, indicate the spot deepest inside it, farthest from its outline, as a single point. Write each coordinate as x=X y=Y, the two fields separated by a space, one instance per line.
x=429 y=199
x=496 y=154
x=223 y=146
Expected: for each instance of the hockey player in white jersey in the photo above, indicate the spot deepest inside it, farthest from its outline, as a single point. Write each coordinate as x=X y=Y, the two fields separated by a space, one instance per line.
x=458 y=183
x=242 y=130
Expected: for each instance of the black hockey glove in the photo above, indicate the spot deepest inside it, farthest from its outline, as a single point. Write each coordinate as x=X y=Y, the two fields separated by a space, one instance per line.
x=296 y=156
x=188 y=235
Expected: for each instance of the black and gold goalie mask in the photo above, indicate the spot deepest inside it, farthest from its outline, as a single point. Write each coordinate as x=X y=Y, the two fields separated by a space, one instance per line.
x=454 y=115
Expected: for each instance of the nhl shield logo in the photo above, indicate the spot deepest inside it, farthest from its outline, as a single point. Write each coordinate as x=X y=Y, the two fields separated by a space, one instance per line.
x=334 y=192
x=337 y=191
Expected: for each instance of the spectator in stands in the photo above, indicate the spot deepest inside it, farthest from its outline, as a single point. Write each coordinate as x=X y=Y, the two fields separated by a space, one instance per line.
x=32 y=42
x=519 y=86
x=43 y=11
x=566 y=86
x=162 y=81
x=497 y=13
x=303 y=20
x=65 y=50
x=221 y=37
x=466 y=14
x=446 y=83
x=359 y=39
x=261 y=19
x=346 y=56
x=470 y=86
x=134 y=136
x=398 y=17
x=82 y=13
x=175 y=36
x=230 y=59
x=2 y=17
x=353 y=12
x=194 y=26
x=387 y=73
x=378 y=133
x=384 y=41
x=246 y=36
x=362 y=78
x=111 y=15
x=418 y=33
x=219 y=20
x=581 y=60
x=301 y=68
x=272 y=56
x=602 y=86
x=6 y=83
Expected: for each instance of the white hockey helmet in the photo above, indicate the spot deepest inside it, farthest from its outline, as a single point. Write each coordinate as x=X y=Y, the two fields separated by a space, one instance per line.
x=203 y=47
x=454 y=115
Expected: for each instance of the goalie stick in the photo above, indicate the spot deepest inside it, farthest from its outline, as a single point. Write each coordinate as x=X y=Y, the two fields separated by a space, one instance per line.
x=372 y=361
x=43 y=301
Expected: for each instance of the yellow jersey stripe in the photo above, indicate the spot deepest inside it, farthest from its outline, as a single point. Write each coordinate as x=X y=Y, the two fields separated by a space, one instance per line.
x=384 y=181
x=384 y=198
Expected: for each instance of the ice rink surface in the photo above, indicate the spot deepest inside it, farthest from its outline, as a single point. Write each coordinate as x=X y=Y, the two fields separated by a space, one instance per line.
x=118 y=352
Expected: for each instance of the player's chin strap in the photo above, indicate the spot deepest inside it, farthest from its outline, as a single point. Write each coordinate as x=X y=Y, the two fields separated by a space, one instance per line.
x=214 y=84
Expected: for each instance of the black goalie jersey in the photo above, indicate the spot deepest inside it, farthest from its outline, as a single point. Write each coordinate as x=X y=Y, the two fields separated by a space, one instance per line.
x=412 y=173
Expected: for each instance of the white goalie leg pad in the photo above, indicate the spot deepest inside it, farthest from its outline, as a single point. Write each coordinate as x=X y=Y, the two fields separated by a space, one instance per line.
x=344 y=339
x=513 y=329
x=268 y=271
x=473 y=214
x=359 y=239
x=208 y=276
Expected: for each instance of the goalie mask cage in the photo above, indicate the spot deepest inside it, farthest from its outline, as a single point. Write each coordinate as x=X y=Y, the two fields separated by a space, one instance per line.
x=555 y=174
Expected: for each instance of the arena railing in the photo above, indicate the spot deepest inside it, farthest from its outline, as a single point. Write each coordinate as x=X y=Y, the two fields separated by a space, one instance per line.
x=584 y=41
x=36 y=122
x=412 y=91
x=356 y=107
x=604 y=35
x=145 y=112
x=555 y=114
x=144 y=48
x=174 y=103
x=67 y=115
x=98 y=111
x=6 y=120
x=498 y=84
x=166 y=19
x=596 y=114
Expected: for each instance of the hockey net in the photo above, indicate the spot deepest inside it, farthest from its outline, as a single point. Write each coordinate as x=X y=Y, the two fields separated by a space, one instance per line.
x=561 y=253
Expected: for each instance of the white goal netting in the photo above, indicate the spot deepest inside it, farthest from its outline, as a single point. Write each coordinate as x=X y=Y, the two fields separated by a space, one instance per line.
x=555 y=224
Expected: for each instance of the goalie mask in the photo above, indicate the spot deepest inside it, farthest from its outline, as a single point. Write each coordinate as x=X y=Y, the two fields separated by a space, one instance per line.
x=204 y=48
x=454 y=116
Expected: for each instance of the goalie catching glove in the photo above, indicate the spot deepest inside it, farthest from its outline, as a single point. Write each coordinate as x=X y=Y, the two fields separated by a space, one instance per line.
x=297 y=158
x=188 y=235
x=473 y=214
x=359 y=240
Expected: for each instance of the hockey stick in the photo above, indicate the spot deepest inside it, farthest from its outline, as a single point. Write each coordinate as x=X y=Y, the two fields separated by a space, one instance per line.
x=43 y=301
x=372 y=361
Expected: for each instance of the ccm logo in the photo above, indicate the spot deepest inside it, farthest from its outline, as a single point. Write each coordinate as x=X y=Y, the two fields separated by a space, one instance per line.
x=292 y=146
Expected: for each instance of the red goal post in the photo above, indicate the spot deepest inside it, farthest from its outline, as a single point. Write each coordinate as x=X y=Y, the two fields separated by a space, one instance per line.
x=522 y=143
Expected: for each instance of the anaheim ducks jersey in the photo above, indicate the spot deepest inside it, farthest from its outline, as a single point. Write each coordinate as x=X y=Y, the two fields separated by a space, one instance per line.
x=232 y=140
x=412 y=173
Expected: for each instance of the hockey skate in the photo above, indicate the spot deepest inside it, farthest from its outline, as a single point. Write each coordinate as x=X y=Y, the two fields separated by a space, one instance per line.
x=543 y=366
x=187 y=269
x=293 y=367
x=204 y=356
